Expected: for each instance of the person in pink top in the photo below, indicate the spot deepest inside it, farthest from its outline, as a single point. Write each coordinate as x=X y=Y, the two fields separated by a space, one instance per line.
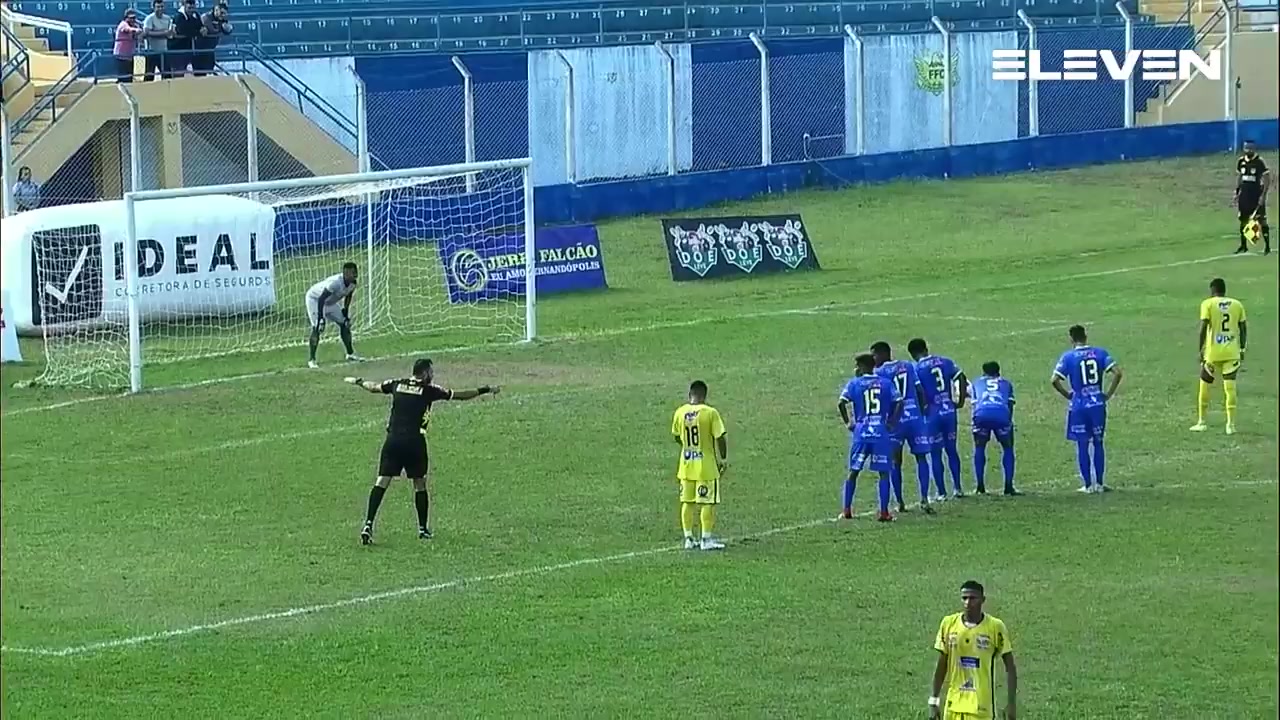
x=127 y=34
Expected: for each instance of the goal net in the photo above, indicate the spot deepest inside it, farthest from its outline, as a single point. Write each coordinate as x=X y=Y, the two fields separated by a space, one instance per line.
x=223 y=271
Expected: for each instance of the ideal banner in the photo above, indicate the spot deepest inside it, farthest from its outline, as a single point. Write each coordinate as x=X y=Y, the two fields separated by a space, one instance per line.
x=64 y=267
x=717 y=247
x=487 y=267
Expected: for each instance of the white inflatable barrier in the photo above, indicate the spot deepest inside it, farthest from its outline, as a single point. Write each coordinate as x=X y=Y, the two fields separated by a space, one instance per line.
x=63 y=267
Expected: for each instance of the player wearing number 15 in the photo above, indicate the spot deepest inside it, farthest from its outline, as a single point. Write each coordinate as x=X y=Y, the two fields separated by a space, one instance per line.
x=1083 y=368
x=704 y=454
x=968 y=645
x=1223 y=335
x=869 y=406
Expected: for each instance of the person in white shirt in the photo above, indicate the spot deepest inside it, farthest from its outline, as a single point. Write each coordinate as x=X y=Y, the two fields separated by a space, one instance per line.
x=330 y=300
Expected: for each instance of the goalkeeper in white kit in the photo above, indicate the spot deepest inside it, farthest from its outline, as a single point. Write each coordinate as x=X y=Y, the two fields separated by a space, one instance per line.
x=322 y=302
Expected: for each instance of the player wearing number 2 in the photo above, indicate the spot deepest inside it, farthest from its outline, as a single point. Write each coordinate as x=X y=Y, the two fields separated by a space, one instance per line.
x=869 y=406
x=704 y=455
x=1223 y=335
x=1083 y=368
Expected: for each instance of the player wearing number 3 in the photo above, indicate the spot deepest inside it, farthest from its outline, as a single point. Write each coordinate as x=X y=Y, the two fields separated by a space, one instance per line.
x=1223 y=335
x=1083 y=368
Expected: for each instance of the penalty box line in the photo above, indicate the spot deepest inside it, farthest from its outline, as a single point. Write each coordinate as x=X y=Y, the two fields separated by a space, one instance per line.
x=535 y=571
x=629 y=330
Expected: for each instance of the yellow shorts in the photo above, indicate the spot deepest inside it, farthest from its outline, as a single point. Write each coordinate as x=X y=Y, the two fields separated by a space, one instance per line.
x=948 y=715
x=702 y=492
x=1222 y=368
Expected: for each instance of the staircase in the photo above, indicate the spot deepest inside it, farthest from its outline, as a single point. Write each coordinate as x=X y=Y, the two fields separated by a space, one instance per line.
x=49 y=85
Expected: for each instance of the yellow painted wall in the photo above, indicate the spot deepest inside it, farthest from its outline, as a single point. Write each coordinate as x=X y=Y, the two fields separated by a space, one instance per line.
x=166 y=101
x=1256 y=62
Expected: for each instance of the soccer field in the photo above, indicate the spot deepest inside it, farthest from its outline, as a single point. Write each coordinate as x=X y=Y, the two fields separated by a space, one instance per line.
x=194 y=553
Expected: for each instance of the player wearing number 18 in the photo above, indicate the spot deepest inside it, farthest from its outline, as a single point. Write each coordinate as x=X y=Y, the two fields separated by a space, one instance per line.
x=704 y=455
x=1223 y=335
x=1083 y=368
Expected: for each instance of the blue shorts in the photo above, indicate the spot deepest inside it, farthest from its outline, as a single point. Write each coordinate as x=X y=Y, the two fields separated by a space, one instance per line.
x=915 y=433
x=942 y=428
x=984 y=427
x=870 y=455
x=1087 y=423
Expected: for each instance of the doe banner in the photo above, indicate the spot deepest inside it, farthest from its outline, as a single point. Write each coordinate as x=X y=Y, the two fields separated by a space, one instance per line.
x=489 y=267
x=717 y=247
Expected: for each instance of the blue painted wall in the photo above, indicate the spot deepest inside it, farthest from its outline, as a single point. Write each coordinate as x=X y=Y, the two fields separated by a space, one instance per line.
x=431 y=218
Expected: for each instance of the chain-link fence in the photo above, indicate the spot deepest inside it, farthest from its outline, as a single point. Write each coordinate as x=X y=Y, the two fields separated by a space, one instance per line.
x=587 y=114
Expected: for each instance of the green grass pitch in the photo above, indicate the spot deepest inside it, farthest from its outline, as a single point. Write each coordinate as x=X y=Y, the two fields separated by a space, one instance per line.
x=193 y=554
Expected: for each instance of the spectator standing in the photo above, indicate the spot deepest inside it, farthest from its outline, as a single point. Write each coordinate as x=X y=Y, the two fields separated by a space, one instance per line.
x=127 y=34
x=214 y=25
x=26 y=192
x=157 y=29
x=186 y=28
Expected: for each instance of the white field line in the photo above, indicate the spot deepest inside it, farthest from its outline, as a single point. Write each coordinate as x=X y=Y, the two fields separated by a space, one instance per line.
x=535 y=571
x=268 y=438
x=629 y=330
x=929 y=316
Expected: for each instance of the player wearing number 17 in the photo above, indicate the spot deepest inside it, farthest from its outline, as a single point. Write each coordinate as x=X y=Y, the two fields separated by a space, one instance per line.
x=704 y=455
x=1223 y=335
x=869 y=406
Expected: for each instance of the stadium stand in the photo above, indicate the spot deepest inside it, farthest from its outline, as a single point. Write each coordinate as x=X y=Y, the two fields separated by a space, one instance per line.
x=327 y=27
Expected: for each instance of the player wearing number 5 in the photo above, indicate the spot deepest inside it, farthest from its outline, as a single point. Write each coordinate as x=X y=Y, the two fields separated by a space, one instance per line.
x=1223 y=335
x=1083 y=368
x=704 y=454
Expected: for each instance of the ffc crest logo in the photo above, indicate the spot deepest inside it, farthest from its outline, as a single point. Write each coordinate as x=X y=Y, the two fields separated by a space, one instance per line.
x=469 y=271
x=931 y=71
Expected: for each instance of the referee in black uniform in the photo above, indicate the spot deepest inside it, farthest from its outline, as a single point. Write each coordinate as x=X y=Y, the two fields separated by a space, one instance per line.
x=405 y=449
x=1254 y=179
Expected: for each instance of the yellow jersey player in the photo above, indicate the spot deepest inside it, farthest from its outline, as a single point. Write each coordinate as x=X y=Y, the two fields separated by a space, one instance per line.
x=704 y=453
x=968 y=645
x=1223 y=336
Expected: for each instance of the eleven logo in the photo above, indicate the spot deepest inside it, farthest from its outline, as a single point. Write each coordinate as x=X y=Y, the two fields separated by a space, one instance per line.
x=743 y=246
x=1156 y=65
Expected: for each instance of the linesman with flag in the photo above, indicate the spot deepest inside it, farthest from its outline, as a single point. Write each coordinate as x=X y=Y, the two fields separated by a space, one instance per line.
x=1253 y=181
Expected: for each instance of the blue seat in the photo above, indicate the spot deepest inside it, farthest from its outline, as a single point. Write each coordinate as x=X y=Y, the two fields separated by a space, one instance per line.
x=642 y=20
x=480 y=26
x=725 y=17
x=558 y=22
x=907 y=11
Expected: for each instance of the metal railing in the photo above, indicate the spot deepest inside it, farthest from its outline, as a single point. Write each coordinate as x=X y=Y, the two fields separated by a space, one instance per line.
x=48 y=100
x=17 y=61
x=11 y=18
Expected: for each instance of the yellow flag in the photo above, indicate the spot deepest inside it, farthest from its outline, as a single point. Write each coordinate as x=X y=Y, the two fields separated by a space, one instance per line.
x=1253 y=230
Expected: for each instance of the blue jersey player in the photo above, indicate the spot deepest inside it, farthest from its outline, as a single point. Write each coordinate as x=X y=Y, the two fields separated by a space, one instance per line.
x=945 y=387
x=911 y=429
x=1078 y=377
x=992 y=398
x=869 y=406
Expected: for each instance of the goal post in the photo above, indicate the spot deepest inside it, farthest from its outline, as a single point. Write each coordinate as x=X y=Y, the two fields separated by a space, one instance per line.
x=446 y=252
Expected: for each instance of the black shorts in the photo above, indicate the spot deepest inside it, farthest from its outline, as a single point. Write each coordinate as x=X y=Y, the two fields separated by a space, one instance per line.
x=1248 y=205
x=403 y=454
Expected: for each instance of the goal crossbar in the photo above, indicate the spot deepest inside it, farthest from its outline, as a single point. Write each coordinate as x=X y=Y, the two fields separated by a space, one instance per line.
x=362 y=184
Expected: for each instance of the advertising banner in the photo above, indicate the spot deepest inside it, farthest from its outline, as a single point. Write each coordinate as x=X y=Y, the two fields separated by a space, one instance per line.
x=9 y=350
x=64 y=267
x=699 y=248
x=488 y=267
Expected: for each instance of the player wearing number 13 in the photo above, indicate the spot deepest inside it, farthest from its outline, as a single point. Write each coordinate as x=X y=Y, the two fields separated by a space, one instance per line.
x=704 y=454
x=968 y=645
x=1083 y=367
x=1223 y=335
